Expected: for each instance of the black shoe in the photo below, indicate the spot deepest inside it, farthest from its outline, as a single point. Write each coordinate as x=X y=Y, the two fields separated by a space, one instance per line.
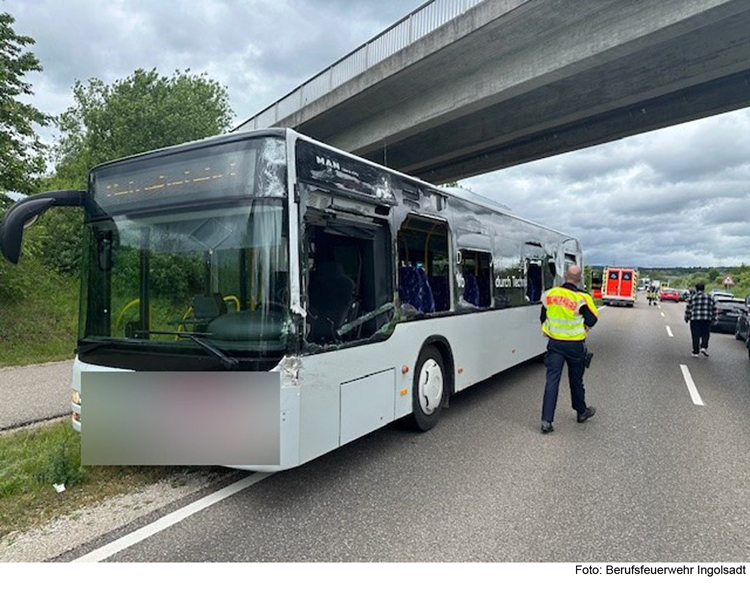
x=547 y=427
x=587 y=414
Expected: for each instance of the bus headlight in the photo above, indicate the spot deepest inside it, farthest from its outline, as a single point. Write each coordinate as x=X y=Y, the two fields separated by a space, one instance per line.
x=75 y=406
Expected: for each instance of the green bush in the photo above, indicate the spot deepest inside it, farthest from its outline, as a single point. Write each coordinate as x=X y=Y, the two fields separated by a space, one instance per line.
x=63 y=465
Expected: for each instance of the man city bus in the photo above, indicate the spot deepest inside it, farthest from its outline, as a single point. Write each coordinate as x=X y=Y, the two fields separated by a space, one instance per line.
x=259 y=299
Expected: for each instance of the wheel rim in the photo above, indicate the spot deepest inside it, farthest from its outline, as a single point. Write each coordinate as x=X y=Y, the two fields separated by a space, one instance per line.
x=430 y=386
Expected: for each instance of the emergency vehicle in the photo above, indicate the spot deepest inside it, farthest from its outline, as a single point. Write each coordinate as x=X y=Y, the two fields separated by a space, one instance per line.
x=619 y=286
x=596 y=284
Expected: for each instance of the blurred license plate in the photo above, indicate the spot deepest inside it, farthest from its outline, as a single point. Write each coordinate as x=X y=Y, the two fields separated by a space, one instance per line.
x=180 y=418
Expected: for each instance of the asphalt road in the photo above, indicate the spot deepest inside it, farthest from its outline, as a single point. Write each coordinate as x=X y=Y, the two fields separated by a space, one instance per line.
x=34 y=393
x=652 y=477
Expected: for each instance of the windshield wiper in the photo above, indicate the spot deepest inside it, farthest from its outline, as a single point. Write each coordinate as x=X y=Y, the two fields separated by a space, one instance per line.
x=226 y=360
x=88 y=347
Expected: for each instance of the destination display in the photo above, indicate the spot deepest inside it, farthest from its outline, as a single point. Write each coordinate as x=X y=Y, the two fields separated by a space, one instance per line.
x=240 y=169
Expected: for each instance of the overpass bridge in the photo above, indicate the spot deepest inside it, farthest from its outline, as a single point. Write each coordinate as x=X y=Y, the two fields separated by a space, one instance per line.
x=463 y=87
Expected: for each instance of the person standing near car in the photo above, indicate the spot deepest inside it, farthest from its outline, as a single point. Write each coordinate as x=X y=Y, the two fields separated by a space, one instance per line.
x=568 y=313
x=699 y=312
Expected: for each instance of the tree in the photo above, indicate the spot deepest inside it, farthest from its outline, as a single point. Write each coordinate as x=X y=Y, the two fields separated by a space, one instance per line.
x=20 y=148
x=143 y=112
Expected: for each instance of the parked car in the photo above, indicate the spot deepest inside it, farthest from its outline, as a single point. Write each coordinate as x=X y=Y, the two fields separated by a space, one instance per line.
x=684 y=294
x=669 y=294
x=717 y=293
x=742 y=328
x=728 y=310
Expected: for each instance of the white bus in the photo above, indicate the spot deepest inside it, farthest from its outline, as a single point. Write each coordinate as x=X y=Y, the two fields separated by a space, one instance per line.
x=260 y=299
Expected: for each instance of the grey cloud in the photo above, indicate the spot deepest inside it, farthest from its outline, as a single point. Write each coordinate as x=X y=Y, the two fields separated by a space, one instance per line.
x=727 y=211
x=677 y=196
x=260 y=49
x=670 y=197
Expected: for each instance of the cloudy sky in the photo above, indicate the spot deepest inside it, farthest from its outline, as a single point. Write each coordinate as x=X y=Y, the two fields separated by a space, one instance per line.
x=675 y=197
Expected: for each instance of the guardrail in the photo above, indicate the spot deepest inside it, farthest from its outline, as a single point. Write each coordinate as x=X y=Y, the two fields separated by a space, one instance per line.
x=415 y=25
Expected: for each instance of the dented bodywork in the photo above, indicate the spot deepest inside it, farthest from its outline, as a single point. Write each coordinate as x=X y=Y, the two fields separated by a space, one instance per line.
x=339 y=194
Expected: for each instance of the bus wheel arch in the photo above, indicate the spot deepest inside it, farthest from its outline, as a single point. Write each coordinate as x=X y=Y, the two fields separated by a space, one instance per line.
x=433 y=383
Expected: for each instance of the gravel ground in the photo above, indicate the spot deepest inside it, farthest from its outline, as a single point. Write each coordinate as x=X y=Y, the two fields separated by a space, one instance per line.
x=69 y=532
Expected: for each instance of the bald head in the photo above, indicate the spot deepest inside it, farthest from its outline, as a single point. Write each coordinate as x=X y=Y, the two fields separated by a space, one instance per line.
x=573 y=274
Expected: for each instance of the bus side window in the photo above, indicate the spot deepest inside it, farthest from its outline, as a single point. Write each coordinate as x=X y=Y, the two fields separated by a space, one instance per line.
x=510 y=286
x=549 y=272
x=476 y=272
x=348 y=279
x=534 y=281
x=424 y=265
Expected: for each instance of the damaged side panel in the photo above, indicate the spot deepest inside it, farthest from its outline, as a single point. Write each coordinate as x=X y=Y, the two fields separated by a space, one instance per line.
x=378 y=253
x=445 y=253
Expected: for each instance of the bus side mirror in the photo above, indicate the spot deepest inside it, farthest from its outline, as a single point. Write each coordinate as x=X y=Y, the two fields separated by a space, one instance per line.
x=26 y=212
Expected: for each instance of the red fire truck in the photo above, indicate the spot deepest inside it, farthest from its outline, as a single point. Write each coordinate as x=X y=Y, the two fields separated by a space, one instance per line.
x=619 y=286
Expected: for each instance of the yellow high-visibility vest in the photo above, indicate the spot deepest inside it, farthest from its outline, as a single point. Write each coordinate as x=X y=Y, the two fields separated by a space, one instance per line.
x=564 y=319
x=590 y=303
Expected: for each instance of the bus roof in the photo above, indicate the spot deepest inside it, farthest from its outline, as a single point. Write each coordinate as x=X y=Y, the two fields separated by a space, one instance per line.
x=460 y=193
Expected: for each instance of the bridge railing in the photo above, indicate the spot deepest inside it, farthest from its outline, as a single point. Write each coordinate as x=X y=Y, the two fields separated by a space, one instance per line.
x=425 y=19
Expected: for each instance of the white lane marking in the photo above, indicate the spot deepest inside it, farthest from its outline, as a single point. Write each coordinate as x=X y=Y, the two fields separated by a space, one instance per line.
x=691 y=386
x=669 y=332
x=169 y=520
x=662 y=314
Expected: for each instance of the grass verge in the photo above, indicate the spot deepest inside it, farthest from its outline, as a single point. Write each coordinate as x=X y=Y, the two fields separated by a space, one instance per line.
x=38 y=315
x=33 y=459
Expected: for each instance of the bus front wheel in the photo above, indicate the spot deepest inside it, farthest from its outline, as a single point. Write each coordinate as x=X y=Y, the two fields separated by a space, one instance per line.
x=429 y=390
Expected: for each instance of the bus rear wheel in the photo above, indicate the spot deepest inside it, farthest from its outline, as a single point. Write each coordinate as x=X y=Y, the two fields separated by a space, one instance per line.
x=429 y=389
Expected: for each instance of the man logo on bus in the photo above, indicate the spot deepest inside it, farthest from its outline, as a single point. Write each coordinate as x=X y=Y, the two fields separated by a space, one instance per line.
x=327 y=162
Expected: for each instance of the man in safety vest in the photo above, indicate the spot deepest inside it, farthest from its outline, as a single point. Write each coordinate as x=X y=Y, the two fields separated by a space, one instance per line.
x=568 y=313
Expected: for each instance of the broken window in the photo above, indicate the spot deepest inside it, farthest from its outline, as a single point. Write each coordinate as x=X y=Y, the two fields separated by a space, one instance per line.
x=534 y=281
x=476 y=274
x=424 y=265
x=570 y=260
x=549 y=271
x=349 y=277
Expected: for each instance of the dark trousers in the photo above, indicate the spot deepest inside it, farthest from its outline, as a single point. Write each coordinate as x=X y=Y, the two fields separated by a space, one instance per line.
x=700 y=330
x=558 y=353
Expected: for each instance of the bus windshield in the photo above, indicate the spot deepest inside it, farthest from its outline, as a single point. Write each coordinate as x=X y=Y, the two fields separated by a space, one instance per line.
x=194 y=268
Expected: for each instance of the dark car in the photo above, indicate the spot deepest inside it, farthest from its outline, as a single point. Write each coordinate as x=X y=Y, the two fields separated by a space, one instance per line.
x=742 y=328
x=728 y=310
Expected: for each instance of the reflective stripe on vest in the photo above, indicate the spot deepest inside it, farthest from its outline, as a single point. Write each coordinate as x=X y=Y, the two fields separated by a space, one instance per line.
x=564 y=321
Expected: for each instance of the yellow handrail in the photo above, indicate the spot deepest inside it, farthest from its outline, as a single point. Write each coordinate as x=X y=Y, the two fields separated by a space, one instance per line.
x=231 y=298
x=122 y=313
